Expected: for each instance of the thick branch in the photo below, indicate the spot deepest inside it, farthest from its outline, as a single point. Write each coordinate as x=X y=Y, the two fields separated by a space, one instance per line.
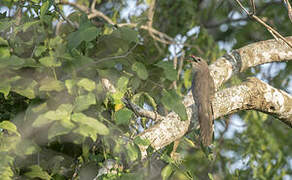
x=253 y=94
x=249 y=56
x=256 y=95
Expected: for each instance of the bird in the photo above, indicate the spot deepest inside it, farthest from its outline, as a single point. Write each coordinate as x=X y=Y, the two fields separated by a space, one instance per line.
x=203 y=90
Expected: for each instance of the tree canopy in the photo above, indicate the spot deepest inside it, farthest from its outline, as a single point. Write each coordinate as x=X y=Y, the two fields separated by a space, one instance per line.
x=101 y=89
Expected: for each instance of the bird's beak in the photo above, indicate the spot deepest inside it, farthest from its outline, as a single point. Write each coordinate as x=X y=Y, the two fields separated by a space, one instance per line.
x=194 y=58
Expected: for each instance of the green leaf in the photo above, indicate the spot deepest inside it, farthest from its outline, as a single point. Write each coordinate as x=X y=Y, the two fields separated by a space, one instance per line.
x=139 y=141
x=87 y=84
x=55 y=42
x=188 y=78
x=128 y=34
x=6 y=24
x=141 y=70
x=39 y=50
x=117 y=96
x=63 y=112
x=5 y=89
x=52 y=85
x=166 y=172
x=37 y=172
x=26 y=147
x=41 y=121
x=50 y=61
x=70 y=85
x=87 y=32
x=26 y=90
x=122 y=83
x=132 y=152
x=44 y=9
x=148 y=2
x=169 y=72
x=4 y=52
x=150 y=100
x=3 y=42
x=84 y=120
x=28 y=25
x=172 y=101
x=9 y=126
x=122 y=117
x=83 y=102
x=60 y=128
x=13 y=61
x=210 y=176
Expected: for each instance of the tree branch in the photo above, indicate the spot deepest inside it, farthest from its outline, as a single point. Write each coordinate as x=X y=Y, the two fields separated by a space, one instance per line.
x=249 y=56
x=253 y=94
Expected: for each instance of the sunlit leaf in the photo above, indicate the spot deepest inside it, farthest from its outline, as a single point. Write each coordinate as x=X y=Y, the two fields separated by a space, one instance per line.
x=62 y=112
x=70 y=85
x=87 y=84
x=139 y=141
x=166 y=172
x=9 y=126
x=4 y=52
x=29 y=24
x=39 y=50
x=60 y=128
x=132 y=151
x=3 y=42
x=27 y=90
x=37 y=172
x=50 y=61
x=82 y=119
x=44 y=8
x=188 y=78
x=52 y=85
x=5 y=89
x=122 y=83
x=83 y=102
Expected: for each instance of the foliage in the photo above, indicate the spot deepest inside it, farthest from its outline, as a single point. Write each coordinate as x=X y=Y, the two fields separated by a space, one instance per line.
x=58 y=121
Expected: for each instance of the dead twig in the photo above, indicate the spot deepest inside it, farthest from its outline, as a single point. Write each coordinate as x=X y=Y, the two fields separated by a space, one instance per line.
x=274 y=33
x=159 y=36
x=142 y=112
x=289 y=9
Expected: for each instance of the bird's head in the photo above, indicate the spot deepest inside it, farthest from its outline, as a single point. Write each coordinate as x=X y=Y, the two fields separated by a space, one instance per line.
x=198 y=63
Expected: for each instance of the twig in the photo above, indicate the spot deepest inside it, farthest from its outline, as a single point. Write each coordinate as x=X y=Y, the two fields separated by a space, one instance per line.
x=289 y=9
x=64 y=17
x=259 y=11
x=159 y=36
x=253 y=6
x=76 y=5
x=140 y=111
x=181 y=63
x=269 y=28
x=93 y=5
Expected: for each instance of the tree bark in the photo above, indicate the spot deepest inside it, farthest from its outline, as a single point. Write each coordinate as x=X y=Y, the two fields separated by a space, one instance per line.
x=253 y=94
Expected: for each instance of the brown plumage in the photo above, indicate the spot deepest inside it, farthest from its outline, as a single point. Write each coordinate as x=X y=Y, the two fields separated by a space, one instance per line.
x=203 y=90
